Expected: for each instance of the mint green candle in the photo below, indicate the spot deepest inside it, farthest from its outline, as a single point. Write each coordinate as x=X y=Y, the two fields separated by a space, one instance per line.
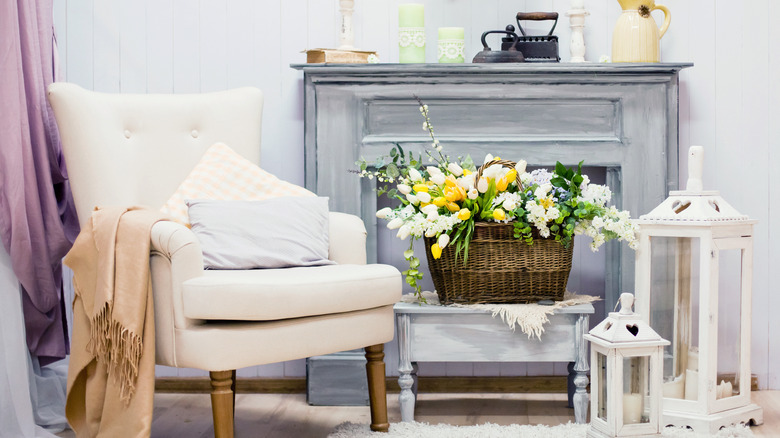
x=450 y=44
x=411 y=33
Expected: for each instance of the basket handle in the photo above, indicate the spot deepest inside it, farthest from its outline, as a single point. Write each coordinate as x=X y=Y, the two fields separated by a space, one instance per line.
x=504 y=163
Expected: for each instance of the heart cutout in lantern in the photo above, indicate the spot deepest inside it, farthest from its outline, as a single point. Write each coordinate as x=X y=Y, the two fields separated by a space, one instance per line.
x=633 y=329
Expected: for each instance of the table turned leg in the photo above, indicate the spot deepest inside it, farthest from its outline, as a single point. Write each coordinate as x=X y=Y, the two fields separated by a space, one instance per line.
x=581 y=369
x=405 y=380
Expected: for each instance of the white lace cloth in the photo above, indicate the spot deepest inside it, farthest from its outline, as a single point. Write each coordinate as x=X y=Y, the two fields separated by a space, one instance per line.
x=530 y=318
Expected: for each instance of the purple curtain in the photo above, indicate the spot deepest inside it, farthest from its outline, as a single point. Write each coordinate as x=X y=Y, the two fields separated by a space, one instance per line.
x=37 y=219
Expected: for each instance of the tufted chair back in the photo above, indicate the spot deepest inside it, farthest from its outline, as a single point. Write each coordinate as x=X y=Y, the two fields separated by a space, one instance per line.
x=150 y=142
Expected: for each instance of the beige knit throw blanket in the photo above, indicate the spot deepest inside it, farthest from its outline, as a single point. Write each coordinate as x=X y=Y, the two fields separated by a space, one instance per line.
x=530 y=318
x=111 y=371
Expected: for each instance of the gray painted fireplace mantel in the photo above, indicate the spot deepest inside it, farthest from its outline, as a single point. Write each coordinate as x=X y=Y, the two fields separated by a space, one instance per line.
x=623 y=117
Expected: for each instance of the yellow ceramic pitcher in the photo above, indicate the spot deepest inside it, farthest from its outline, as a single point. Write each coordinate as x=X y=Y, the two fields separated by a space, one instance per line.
x=636 y=36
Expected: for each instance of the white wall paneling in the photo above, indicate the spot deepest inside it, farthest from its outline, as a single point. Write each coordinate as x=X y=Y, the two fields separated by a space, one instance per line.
x=186 y=46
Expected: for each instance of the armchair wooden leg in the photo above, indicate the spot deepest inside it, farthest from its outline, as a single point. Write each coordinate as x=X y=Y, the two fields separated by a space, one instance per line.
x=222 y=402
x=233 y=389
x=377 y=393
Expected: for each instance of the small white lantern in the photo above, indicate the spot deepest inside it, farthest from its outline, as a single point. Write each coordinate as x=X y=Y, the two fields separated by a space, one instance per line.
x=694 y=269
x=626 y=360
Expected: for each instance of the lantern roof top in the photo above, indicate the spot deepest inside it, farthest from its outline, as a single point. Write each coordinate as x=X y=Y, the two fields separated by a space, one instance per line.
x=694 y=205
x=624 y=327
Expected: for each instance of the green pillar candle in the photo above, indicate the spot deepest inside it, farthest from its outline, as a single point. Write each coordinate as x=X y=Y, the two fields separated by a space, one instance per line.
x=451 y=44
x=411 y=33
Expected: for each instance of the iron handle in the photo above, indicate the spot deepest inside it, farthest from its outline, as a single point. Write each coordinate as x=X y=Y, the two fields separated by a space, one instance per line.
x=537 y=16
x=485 y=47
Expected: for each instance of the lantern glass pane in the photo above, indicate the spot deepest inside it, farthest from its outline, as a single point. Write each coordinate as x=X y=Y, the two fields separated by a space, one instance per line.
x=674 y=311
x=729 y=327
x=601 y=369
x=636 y=390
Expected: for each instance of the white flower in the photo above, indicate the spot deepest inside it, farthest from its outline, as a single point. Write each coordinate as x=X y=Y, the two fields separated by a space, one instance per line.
x=424 y=197
x=433 y=170
x=404 y=189
x=429 y=208
x=495 y=171
x=509 y=205
x=488 y=158
x=466 y=181
x=430 y=232
x=395 y=223
x=415 y=175
x=425 y=126
x=473 y=193
x=412 y=199
x=455 y=169
x=526 y=178
x=438 y=179
x=482 y=185
x=381 y=214
x=542 y=190
x=520 y=167
x=404 y=232
x=444 y=239
x=432 y=216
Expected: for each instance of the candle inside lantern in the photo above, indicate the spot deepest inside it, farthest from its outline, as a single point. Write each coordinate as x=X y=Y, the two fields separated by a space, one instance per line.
x=675 y=388
x=693 y=359
x=725 y=389
x=451 y=44
x=632 y=408
x=691 y=385
x=411 y=33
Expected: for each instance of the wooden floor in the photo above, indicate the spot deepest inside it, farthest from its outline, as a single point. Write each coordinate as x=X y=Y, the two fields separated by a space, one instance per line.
x=288 y=415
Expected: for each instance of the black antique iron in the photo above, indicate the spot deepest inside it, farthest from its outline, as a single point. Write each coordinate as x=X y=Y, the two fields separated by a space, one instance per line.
x=535 y=48
x=511 y=54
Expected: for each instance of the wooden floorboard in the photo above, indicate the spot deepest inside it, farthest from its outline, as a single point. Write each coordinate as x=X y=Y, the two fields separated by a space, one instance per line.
x=288 y=415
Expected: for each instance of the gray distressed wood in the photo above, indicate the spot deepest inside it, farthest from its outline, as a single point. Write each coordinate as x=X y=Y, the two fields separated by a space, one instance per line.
x=337 y=380
x=620 y=116
x=443 y=333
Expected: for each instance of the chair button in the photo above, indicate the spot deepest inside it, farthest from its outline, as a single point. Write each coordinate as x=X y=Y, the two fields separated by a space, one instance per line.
x=127 y=133
x=194 y=133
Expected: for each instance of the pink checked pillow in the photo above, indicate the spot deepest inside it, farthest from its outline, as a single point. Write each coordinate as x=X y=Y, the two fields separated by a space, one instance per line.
x=224 y=175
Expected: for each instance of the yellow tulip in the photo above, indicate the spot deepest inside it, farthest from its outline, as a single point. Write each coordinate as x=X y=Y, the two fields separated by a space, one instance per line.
x=498 y=214
x=436 y=251
x=502 y=183
x=450 y=181
x=440 y=201
x=464 y=214
x=467 y=172
x=453 y=207
x=420 y=188
x=452 y=194
x=510 y=176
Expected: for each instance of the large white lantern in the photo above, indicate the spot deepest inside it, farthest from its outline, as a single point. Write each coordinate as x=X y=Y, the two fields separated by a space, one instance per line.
x=694 y=270
x=626 y=360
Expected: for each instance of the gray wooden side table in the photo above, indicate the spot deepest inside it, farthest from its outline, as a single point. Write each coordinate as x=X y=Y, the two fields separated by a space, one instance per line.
x=445 y=333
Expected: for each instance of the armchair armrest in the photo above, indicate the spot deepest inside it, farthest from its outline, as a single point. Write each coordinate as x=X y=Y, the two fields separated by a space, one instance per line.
x=175 y=257
x=347 y=239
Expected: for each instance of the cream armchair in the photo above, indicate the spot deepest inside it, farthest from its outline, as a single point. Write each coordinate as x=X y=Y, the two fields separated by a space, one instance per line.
x=126 y=149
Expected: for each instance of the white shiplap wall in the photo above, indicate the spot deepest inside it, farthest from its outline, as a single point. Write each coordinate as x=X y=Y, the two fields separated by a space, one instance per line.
x=726 y=100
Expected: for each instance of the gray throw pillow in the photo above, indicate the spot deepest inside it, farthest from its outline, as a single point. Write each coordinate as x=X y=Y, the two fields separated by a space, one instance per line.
x=274 y=233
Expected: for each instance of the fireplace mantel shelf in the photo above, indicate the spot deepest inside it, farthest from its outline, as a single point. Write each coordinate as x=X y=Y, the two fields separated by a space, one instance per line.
x=511 y=69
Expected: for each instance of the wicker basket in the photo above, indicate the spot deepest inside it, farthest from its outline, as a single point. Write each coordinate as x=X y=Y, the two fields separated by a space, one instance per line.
x=501 y=268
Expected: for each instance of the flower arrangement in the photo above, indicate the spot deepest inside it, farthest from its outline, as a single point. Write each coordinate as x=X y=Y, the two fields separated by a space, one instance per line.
x=443 y=200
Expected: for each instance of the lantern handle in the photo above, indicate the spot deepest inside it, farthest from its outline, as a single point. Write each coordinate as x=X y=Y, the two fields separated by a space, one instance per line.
x=695 y=166
x=626 y=303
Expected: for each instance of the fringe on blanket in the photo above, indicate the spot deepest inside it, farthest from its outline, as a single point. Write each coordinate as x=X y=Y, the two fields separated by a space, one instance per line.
x=117 y=347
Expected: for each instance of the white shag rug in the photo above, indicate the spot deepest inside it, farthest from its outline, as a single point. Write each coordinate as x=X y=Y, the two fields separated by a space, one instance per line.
x=569 y=430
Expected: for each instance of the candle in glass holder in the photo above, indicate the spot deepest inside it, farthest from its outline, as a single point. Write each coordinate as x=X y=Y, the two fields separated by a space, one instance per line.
x=632 y=408
x=451 y=44
x=411 y=33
